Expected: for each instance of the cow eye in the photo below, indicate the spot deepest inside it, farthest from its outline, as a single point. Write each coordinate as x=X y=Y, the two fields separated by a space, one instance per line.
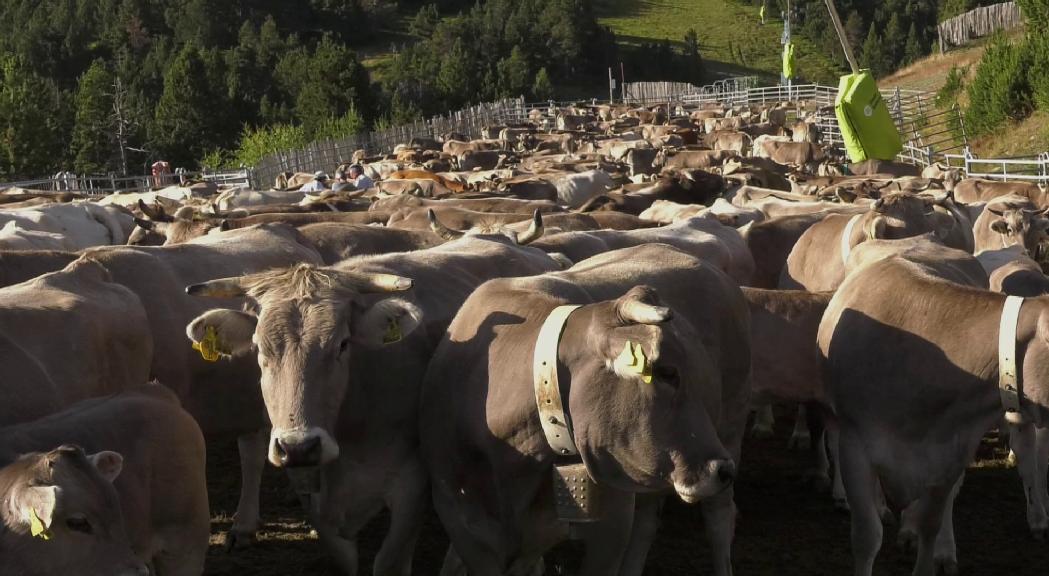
x=668 y=375
x=79 y=524
x=344 y=345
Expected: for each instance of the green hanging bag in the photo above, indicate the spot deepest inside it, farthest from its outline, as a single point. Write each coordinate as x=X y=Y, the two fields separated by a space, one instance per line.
x=866 y=124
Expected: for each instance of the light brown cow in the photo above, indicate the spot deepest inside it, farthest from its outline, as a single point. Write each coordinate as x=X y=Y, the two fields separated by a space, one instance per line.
x=78 y=335
x=894 y=324
x=817 y=261
x=153 y=454
x=339 y=356
x=674 y=422
x=973 y=190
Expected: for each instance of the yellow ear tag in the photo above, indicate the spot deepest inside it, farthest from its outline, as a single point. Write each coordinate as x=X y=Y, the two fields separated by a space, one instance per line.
x=209 y=346
x=393 y=332
x=36 y=526
x=632 y=360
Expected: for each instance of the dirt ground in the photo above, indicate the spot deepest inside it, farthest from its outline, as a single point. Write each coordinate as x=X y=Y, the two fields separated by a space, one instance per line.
x=785 y=527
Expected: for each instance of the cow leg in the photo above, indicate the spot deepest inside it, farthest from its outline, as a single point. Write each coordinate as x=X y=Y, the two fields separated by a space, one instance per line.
x=607 y=540
x=407 y=503
x=930 y=513
x=946 y=553
x=859 y=481
x=764 y=422
x=719 y=518
x=647 y=510
x=841 y=502
x=252 y=448
x=1022 y=438
x=800 y=438
x=820 y=473
x=1041 y=436
x=327 y=520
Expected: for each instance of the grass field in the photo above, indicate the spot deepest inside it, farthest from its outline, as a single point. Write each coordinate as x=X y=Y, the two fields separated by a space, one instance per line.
x=732 y=39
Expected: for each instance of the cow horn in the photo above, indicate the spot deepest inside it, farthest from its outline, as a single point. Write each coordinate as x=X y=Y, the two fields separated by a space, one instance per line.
x=366 y=283
x=534 y=232
x=144 y=224
x=883 y=186
x=641 y=306
x=996 y=212
x=157 y=213
x=440 y=229
x=221 y=288
x=878 y=204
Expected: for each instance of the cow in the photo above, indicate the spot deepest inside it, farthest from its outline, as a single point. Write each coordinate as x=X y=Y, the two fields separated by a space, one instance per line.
x=208 y=389
x=895 y=323
x=83 y=224
x=19 y=266
x=452 y=185
x=737 y=142
x=805 y=131
x=290 y=181
x=143 y=445
x=184 y=225
x=702 y=237
x=241 y=198
x=78 y=335
x=573 y=190
x=797 y=154
x=340 y=354
x=13 y=237
x=817 y=261
x=770 y=243
x=973 y=190
x=656 y=360
x=694 y=159
x=875 y=166
x=67 y=496
x=297 y=220
x=504 y=205
x=1009 y=220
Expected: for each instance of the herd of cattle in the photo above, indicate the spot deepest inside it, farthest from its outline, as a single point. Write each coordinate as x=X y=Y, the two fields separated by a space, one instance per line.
x=542 y=334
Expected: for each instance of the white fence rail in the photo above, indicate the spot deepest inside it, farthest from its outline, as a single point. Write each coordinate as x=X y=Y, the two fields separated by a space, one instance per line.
x=101 y=185
x=1023 y=169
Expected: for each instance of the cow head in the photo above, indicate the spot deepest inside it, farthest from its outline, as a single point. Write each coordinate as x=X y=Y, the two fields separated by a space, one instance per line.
x=305 y=326
x=899 y=215
x=534 y=232
x=59 y=514
x=185 y=225
x=638 y=418
x=1019 y=226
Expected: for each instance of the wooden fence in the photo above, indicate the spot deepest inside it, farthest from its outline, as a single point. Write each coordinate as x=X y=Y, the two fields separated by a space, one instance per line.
x=979 y=23
x=327 y=154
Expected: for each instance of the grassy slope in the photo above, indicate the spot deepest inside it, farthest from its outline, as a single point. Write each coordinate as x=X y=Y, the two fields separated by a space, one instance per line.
x=724 y=27
x=1026 y=138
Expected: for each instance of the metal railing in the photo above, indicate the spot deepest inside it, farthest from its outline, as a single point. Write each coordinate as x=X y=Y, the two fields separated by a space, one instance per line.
x=1023 y=169
x=101 y=185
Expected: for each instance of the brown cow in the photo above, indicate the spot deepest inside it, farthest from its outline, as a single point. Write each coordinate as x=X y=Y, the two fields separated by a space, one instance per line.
x=672 y=422
x=336 y=390
x=817 y=261
x=147 y=448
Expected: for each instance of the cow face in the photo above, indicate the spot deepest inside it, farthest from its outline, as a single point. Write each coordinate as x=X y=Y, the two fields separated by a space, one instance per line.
x=637 y=399
x=63 y=515
x=1020 y=227
x=305 y=327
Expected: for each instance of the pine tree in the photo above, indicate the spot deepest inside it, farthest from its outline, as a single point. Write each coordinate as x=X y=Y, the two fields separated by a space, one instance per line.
x=455 y=78
x=542 y=88
x=873 y=57
x=182 y=129
x=514 y=76
x=913 y=50
x=35 y=119
x=92 y=142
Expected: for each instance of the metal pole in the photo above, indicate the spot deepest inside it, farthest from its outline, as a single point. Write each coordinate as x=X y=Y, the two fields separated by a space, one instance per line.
x=841 y=36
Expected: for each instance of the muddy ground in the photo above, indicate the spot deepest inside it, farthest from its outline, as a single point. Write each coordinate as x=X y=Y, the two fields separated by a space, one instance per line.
x=785 y=527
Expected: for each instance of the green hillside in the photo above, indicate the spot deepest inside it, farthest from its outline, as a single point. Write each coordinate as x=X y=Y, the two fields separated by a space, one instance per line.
x=732 y=39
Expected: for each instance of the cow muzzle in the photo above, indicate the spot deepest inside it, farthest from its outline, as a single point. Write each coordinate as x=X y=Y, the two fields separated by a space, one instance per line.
x=715 y=477
x=302 y=447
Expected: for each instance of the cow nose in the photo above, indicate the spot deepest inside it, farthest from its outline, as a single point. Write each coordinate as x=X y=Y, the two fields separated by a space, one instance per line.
x=725 y=470
x=306 y=452
x=136 y=569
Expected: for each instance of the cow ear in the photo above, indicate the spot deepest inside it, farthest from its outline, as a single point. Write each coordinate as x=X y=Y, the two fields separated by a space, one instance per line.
x=1000 y=226
x=385 y=322
x=109 y=464
x=32 y=507
x=222 y=332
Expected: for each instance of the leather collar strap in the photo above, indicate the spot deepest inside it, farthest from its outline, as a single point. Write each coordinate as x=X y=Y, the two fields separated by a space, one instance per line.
x=1008 y=376
x=547 y=388
x=846 y=239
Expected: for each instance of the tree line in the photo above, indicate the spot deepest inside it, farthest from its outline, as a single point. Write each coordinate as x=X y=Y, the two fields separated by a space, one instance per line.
x=885 y=36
